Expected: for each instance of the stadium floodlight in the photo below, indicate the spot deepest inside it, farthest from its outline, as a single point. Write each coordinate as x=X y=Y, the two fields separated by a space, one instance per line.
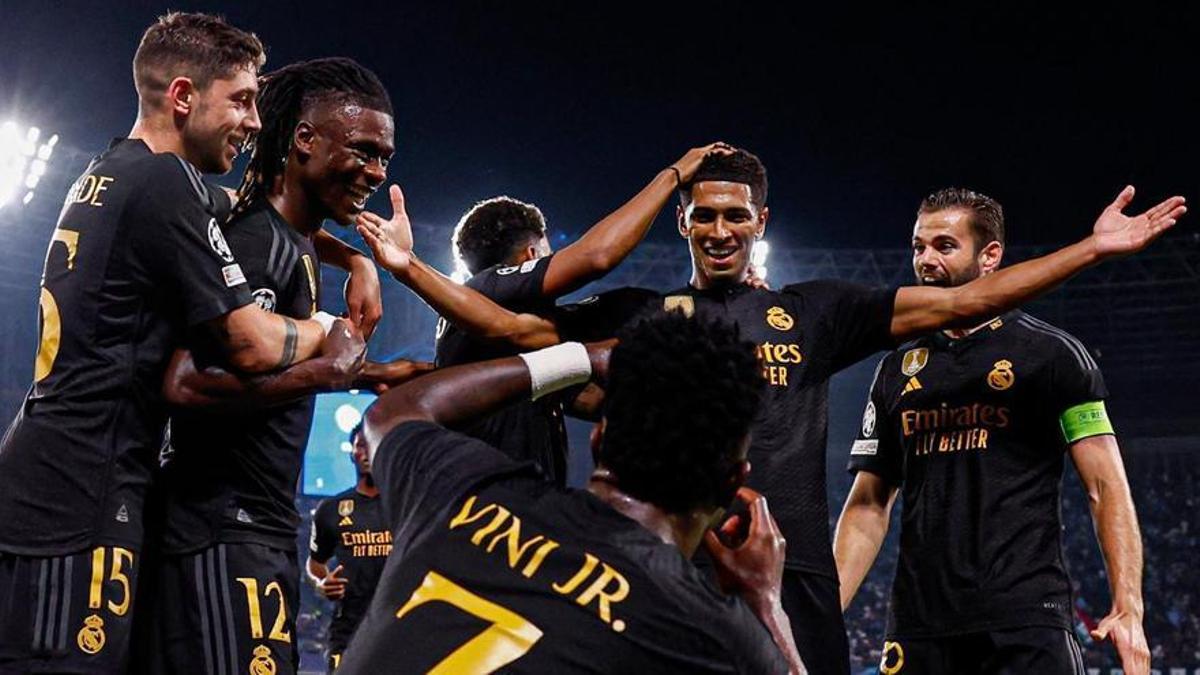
x=758 y=258
x=23 y=159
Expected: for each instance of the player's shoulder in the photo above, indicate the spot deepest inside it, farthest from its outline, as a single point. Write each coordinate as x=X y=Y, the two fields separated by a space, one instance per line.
x=495 y=273
x=1044 y=337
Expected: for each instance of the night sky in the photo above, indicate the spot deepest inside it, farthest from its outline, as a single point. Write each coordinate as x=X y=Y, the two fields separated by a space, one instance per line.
x=856 y=114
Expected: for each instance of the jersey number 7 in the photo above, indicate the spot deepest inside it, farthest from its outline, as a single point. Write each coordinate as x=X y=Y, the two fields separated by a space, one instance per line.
x=507 y=639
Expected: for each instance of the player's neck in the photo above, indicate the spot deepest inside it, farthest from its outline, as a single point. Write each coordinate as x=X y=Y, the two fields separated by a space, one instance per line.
x=684 y=531
x=158 y=135
x=366 y=488
x=289 y=199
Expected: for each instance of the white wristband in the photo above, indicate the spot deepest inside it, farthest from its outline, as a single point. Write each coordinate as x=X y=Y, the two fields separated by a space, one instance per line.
x=325 y=319
x=558 y=367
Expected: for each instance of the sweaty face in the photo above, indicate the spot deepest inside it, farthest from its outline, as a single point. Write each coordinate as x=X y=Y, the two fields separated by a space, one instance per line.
x=349 y=157
x=943 y=249
x=721 y=224
x=225 y=115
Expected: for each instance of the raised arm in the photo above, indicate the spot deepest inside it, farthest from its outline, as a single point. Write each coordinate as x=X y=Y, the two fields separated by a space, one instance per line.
x=753 y=570
x=364 y=304
x=860 y=531
x=609 y=241
x=391 y=243
x=922 y=309
x=455 y=396
x=1098 y=461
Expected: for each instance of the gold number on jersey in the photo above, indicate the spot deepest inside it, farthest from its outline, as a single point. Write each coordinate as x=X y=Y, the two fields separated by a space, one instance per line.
x=51 y=335
x=508 y=638
x=279 y=628
x=121 y=557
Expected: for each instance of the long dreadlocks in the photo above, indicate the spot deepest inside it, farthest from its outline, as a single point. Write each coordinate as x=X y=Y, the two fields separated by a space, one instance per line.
x=284 y=96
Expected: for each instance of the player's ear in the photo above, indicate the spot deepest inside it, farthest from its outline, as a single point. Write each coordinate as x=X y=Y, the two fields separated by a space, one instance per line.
x=303 y=138
x=763 y=215
x=681 y=220
x=990 y=256
x=181 y=96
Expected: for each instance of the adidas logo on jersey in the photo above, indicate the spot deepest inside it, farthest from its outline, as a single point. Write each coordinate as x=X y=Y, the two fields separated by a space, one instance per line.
x=913 y=385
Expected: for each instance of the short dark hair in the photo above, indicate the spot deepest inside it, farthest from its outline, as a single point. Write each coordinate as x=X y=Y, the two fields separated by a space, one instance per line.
x=739 y=166
x=492 y=230
x=987 y=216
x=202 y=47
x=356 y=431
x=681 y=395
x=285 y=95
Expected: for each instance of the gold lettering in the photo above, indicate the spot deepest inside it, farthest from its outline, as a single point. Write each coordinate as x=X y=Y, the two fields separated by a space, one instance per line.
x=538 y=557
x=589 y=564
x=596 y=591
x=512 y=536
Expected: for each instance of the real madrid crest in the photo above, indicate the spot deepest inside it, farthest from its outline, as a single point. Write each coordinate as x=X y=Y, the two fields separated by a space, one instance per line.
x=345 y=508
x=91 y=638
x=680 y=303
x=1002 y=376
x=262 y=663
x=914 y=361
x=779 y=319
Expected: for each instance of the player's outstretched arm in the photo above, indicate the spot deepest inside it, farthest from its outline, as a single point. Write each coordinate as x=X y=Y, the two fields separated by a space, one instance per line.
x=391 y=243
x=1098 y=462
x=326 y=581
x=339 y=367
x=455 y=396
x=609 y=241
x=753 y=570
x=860 y=531
x=364 y=303
x=922 y=309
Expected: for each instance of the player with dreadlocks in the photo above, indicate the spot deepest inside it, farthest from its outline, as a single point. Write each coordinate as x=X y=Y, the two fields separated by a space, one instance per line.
x=228 y=583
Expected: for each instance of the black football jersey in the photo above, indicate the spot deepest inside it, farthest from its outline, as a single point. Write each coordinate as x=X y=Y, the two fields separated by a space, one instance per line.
x=231 y=477
x=805 y=333
x=533 y=430
x=350 y=528
x=137 y=259
x=972 y=430
x=494 y=568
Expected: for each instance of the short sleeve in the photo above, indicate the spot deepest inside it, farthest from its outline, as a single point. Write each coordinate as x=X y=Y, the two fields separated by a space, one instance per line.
x=251 y=241
x=179 y=240
x=324 y=535
x=857 y=319
x=602 y=316
x=421 y=468
x=516 y=286
x=876 y=448
x=1076 y=392
x=220 y=203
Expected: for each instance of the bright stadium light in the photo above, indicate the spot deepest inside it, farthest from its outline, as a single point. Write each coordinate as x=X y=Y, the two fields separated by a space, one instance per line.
x=460 y=273
x=23 y=158
x=758 y=258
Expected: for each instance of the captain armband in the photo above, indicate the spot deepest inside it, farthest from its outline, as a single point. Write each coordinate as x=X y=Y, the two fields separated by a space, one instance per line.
x=1084 y=420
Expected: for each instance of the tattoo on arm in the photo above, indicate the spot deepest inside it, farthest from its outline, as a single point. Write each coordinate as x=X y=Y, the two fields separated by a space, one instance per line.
x=290 y=337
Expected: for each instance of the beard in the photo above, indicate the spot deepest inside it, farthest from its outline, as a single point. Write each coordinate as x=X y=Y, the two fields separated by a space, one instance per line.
x=952 y=279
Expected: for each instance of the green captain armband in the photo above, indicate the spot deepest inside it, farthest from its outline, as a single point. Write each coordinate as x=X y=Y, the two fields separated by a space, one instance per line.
x=1084 y=420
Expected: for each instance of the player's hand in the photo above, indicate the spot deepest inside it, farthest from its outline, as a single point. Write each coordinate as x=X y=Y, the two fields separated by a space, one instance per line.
x=1118 y=234
x=599 y=353
x=382 y=376
x=363 y=300
x=755 y=281
x=391 y=241
x=1125 y=631
x=345 y=350
x=751 y=566
x=333 y=587
x=688 y=164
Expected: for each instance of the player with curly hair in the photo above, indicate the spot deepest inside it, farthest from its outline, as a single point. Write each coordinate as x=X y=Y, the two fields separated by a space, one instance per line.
x=569 y=580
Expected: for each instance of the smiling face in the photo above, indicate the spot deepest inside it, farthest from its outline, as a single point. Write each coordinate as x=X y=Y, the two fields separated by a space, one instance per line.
x=945 y=252
x=721 y=224
x=223 y=117
x=342 y=152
